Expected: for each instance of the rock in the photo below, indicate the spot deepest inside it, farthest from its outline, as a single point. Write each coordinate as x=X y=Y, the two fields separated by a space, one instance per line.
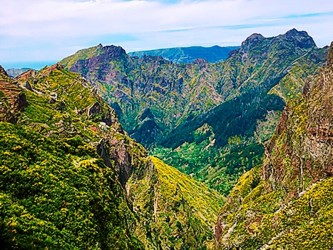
x=95 y=109
x=28 y=86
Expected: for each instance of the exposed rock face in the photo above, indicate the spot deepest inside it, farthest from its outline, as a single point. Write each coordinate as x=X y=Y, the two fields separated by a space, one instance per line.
x=306 y=131
x=12 y=99
x=300 y=39
x=288 y=202
x=3 y=71
x=252 y=41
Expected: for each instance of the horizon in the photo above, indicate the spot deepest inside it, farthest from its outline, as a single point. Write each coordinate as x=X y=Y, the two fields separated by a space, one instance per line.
x=34 y=35
x=36 y=65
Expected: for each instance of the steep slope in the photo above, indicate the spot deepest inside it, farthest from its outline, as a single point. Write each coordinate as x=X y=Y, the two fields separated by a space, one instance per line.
x=181 y=213
x=12 y=99
x=67 y=169
x=189 y=54
x=287 y=203
x=56 y=191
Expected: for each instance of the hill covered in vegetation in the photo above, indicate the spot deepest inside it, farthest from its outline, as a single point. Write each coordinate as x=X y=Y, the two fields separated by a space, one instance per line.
x=287 y=202
x=71 y=178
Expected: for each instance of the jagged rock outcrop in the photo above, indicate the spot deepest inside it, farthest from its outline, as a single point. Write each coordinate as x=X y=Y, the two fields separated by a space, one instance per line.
x=12 y=99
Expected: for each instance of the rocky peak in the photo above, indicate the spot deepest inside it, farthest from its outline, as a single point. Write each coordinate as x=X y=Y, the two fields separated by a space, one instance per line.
x=252 y=40
x=113 y=52
x=330 y=55
x=300 y=38
x=3 y=71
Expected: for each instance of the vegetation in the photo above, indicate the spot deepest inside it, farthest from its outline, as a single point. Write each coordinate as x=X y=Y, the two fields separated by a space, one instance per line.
x=242 y=96
x=287 y=203
x=58 y=194
x=69 y=175
x=181 y=211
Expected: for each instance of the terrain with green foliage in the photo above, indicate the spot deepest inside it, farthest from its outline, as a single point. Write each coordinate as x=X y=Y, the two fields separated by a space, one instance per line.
x=287 y=202
x=208 y=120
x=71 y=178
x=189 y=54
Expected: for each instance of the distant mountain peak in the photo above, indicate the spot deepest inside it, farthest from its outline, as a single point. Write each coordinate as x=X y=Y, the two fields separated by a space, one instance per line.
x=300 y=38
x=113 y=52
x=189 y=54
x=330 y=55
x=255 y=37
x=252 y=40
x=3 y=71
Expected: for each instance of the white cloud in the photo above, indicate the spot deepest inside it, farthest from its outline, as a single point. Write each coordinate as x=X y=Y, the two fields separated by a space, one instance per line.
x=51 y=29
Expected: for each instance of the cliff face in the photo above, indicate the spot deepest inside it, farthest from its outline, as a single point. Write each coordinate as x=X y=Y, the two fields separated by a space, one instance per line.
x=12 y=99
x=305 y=137
x=287 y=203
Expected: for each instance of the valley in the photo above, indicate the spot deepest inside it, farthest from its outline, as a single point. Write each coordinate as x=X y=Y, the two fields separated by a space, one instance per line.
x=187 y=113
x=110 y=150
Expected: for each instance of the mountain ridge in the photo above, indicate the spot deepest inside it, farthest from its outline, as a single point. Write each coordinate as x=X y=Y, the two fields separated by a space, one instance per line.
x=189 y=54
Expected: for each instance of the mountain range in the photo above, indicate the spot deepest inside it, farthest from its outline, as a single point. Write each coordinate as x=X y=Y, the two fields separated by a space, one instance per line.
x=189 y=54
x=256 y=127
x=166 y=106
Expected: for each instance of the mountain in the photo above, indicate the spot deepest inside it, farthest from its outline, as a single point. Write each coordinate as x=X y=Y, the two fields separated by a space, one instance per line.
x=71 y=178
x=218 y=146
x=15 y=72
x=208 y=120
x=287 y=202
x=189 y=54
x=131 y=85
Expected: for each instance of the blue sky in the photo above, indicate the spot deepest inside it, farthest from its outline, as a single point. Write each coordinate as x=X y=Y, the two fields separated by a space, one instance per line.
x=36 y=32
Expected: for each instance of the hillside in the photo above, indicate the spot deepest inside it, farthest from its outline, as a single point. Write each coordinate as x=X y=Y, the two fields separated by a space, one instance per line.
x=68 y=172
x=188 y=114
x=189 y=54
x=287 y=202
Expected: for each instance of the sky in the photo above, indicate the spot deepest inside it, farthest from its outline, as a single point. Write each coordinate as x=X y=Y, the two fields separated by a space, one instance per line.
x=38 y=32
